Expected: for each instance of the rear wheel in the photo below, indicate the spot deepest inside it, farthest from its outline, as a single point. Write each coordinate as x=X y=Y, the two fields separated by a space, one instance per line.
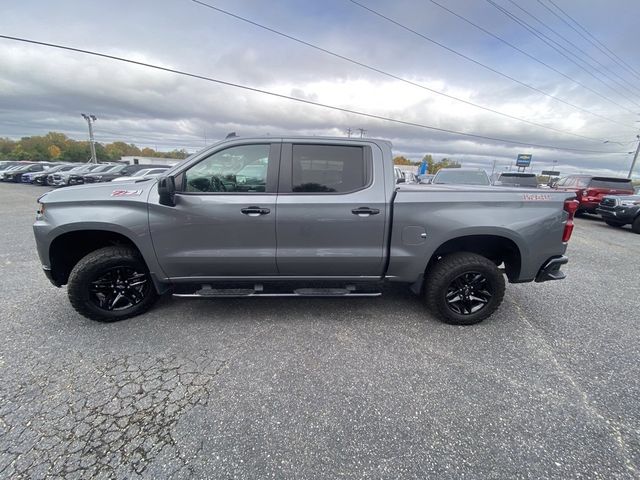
x=464 y=288
x=613 y=223
x=635 y=226
x=111 y=284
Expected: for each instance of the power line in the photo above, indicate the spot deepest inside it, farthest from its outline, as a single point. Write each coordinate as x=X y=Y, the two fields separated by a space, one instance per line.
x=390 y=75
x=557 y=47
x=587 y=54
x=491 y=69
x=597 y=43
x=528 y=55
x=296 y=99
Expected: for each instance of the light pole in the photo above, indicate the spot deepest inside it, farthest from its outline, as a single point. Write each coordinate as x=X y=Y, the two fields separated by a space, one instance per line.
x=635 y=158
x=90 y=119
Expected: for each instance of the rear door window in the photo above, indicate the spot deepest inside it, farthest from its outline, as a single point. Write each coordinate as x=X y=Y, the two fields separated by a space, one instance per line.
x=328 y=168
x=611 y=184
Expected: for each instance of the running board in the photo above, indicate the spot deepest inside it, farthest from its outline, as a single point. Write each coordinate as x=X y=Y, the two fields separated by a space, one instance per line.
x=208 y=292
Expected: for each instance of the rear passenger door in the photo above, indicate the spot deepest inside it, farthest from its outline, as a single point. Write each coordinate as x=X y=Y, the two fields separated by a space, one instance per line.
x=331 y=210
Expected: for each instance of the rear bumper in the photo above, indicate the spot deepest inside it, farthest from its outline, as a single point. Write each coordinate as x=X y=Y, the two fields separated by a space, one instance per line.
x=551 y=269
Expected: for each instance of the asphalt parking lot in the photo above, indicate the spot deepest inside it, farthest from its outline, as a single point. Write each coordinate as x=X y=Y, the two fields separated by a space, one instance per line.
x=323 y=388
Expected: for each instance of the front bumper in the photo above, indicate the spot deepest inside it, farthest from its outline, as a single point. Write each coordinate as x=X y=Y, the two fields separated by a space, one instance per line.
x=551 y=269
x=49 y=274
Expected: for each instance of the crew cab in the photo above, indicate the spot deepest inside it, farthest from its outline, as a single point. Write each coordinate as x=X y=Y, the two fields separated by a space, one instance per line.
x=591 y=190
x=303 y=216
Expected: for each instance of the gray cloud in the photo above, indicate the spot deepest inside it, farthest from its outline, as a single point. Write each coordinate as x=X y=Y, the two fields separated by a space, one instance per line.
x=42 y=89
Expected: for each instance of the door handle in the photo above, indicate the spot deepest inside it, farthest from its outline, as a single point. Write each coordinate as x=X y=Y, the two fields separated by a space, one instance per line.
x=365 y=211
x=255 y=211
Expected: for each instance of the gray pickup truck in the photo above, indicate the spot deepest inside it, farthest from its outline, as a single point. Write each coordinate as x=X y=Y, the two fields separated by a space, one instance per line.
x=304 y=216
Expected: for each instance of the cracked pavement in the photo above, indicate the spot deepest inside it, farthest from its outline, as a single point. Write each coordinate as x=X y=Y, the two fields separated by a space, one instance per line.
x=323 y=388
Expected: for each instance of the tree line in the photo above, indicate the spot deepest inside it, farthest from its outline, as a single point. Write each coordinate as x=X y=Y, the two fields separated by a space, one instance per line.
x=57 y=147
x=432 y=165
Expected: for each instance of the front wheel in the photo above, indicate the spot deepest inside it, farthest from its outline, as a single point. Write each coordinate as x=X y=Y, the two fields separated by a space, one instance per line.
x=635 y=226
x=111 y=284
x=464 y=288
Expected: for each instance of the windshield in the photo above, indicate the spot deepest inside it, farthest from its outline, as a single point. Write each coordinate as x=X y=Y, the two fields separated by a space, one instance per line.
x=462 y=177
x=141 y=173
x=116 y=169
x=101 y=168
x=524 y=181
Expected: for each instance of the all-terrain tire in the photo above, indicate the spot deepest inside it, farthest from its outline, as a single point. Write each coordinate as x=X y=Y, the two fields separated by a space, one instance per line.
x=635 y=226
x=440 y=280
x=100 y=262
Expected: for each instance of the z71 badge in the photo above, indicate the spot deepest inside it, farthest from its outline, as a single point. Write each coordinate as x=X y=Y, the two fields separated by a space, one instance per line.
x=125 y=193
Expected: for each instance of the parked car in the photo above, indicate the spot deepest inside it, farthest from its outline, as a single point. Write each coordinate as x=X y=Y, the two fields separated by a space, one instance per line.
x=115 y=172
x=426 y=178
x=16 y=174
x=62 y=178
x=517 y=179
x=618 y=211
x=147 y=172
x=79 y=178
x=328 y=201
x=398 y=175
x=461 y=176
x=591 y=190
x=410 y=177
x=10 y=169
x=41 y=178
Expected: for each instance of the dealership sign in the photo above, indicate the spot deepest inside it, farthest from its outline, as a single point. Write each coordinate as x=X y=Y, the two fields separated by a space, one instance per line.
x=523 y=160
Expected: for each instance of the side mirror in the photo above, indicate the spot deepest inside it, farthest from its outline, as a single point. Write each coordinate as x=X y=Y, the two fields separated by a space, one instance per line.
x=167 y=191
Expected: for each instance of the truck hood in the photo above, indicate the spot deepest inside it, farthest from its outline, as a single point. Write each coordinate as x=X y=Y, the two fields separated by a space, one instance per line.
x=133 y=190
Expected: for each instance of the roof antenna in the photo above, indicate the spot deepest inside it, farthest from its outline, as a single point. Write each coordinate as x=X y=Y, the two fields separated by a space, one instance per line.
x=231 y=135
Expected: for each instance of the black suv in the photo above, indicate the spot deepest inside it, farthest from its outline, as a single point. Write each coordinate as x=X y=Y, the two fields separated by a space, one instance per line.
x=618 y=211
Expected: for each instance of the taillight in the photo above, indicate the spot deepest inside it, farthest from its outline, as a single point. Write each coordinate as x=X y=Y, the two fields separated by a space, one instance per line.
x=570 y=206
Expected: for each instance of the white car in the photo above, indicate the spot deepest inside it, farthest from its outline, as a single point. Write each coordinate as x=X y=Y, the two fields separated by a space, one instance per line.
x=147 y=172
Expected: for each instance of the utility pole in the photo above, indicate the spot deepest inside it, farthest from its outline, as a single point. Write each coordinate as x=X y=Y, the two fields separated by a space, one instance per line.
x=90 y=119
x=349 y=132
x=635 y=158
x=362 y=132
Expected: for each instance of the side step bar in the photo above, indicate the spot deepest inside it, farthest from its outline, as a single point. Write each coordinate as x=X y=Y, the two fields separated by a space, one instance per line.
x=257 y=291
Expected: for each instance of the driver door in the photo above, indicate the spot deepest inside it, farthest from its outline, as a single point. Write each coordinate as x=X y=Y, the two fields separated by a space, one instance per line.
x=223 y=223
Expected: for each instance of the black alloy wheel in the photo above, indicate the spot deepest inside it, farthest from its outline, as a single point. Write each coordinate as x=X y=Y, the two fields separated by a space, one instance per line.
x=469 y=293
x=111 y=284
x=119 y=288
x=463 y=288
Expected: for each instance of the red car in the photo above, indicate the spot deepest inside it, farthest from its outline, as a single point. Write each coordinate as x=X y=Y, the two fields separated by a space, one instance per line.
x=590 y=190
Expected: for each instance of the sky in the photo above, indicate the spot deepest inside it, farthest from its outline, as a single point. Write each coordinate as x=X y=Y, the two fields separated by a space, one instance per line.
x=585 y=103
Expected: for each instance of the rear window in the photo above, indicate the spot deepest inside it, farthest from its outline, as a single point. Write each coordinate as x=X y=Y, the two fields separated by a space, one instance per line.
x=611 y=183
x=328 y=169
x=524 y=181
x=462 y=177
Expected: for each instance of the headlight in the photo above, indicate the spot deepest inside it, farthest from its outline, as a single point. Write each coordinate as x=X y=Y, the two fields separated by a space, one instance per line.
x=98 y=177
